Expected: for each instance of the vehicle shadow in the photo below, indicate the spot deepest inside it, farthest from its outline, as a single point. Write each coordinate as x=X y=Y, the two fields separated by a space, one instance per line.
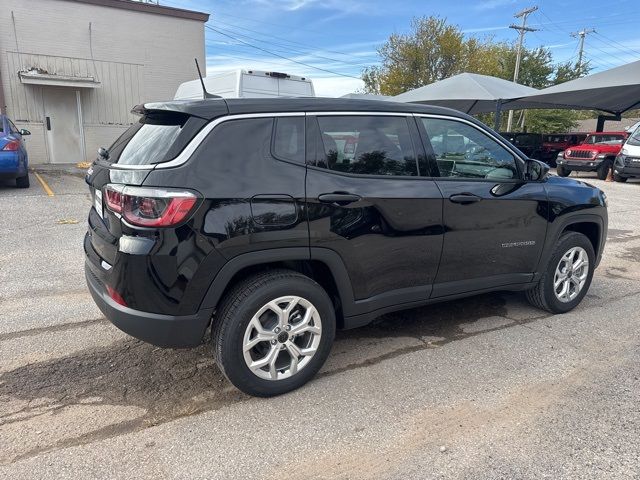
x=169 y=384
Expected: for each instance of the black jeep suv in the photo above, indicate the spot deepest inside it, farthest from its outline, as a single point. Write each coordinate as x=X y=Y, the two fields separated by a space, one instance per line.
x=276 y=221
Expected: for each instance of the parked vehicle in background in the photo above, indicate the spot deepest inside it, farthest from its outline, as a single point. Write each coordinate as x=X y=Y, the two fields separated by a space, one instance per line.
x=276 y=221
x=632 y=128
x=596 y=154
x=555 y=143
x=14 y=161
x=627 y=163
x=528 y=143
x=247 y=84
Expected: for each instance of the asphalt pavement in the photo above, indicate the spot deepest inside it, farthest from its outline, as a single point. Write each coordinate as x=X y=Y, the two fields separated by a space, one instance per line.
x=485 y=387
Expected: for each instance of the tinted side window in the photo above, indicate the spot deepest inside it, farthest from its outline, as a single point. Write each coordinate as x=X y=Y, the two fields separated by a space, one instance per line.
x=288 y=139
x=464 y=151
x=12 y=127
x=367 y=145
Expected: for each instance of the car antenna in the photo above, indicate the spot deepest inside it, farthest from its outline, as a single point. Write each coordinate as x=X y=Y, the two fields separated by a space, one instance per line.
x=204 y=89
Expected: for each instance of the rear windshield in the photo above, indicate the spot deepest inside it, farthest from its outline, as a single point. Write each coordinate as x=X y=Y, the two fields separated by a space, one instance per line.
x=149 y=141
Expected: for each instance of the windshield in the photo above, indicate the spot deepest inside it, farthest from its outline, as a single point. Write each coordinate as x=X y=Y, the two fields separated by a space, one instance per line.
x=607 y=138
x=634 y=139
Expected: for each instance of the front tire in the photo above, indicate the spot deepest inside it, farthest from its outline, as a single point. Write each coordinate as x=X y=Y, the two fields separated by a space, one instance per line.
x=618 y=178
x=562 y=171
x=567 y=277
x=603 y=170
x=273 y=332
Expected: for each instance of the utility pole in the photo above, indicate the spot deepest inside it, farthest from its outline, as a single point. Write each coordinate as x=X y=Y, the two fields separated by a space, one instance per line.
x=582 y=33
x=522 y=29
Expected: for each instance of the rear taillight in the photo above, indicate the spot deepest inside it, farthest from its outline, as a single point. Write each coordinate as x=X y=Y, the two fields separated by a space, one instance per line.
x=150 y=207
x=12 y=146
x=113 y=199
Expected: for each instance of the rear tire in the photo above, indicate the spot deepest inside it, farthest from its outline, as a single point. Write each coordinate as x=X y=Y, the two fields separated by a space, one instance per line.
x=272 y=317
x=562 y=171
x=618 y=178
x=603 y=170
x=23 y=182
x=548 y=293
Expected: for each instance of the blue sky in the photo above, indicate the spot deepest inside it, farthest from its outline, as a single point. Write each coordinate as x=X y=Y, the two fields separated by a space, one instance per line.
x=331 y=41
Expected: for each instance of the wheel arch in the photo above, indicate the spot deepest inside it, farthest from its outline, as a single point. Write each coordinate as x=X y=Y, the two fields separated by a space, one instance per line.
x=593 y=226
x=590 y=229
x=322 y=265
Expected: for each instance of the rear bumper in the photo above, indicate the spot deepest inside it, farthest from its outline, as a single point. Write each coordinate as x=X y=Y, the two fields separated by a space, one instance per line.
x=160 y=330
x=10 y=166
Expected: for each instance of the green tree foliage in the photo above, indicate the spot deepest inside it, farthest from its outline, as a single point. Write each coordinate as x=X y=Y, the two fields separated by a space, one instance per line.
x=434 y=50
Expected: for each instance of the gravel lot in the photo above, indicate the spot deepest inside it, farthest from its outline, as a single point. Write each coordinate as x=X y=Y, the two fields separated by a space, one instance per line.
x=486 y=387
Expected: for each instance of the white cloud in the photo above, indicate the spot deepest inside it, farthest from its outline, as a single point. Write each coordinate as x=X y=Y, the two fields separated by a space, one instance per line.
x=491 y=4
x=293 y=5
x=484 y=29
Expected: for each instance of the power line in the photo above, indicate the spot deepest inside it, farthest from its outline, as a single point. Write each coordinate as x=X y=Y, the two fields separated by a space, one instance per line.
x=551 y=22
x=292 y=49
x=611 y=42
x=319 y=49
x=280 y=56
x=609 y=54
x=259 y=22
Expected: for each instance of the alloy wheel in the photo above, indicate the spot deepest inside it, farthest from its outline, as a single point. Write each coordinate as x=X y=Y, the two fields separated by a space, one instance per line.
x=282 y=338
x=571 y=274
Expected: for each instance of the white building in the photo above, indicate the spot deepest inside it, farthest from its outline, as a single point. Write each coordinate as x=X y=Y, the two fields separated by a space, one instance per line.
x=71 y=70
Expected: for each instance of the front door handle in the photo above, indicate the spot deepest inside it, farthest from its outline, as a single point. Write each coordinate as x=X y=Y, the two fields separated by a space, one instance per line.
x=338 y=198
x=465 y=198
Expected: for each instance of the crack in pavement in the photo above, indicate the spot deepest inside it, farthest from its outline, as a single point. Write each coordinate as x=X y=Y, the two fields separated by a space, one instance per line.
x=52 y=328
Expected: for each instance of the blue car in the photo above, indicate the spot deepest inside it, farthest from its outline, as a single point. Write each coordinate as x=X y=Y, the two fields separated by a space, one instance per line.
x=14 y=160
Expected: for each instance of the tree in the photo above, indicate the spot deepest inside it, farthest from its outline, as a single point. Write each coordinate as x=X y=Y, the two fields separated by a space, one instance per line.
x=434 y=50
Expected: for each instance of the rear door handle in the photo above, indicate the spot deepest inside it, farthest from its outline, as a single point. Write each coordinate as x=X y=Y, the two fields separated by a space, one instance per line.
x=465 y=198
x=338 y=198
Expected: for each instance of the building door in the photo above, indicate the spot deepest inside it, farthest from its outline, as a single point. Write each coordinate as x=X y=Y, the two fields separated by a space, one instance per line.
x=63 y=127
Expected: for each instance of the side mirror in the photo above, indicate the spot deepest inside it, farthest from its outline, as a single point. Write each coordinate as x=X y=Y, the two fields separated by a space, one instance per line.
x=535 y=170
x=24 y=132
x=103 y=153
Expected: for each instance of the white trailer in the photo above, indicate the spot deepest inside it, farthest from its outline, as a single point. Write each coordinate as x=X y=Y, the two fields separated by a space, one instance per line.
x=248 y=84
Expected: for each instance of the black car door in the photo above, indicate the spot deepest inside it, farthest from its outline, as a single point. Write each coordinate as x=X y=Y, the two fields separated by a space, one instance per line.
x=495 y=222
x=368 y=203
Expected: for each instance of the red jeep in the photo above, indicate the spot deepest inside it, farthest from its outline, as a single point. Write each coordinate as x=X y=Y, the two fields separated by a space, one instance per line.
x=555 y=143
x=595 y=154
